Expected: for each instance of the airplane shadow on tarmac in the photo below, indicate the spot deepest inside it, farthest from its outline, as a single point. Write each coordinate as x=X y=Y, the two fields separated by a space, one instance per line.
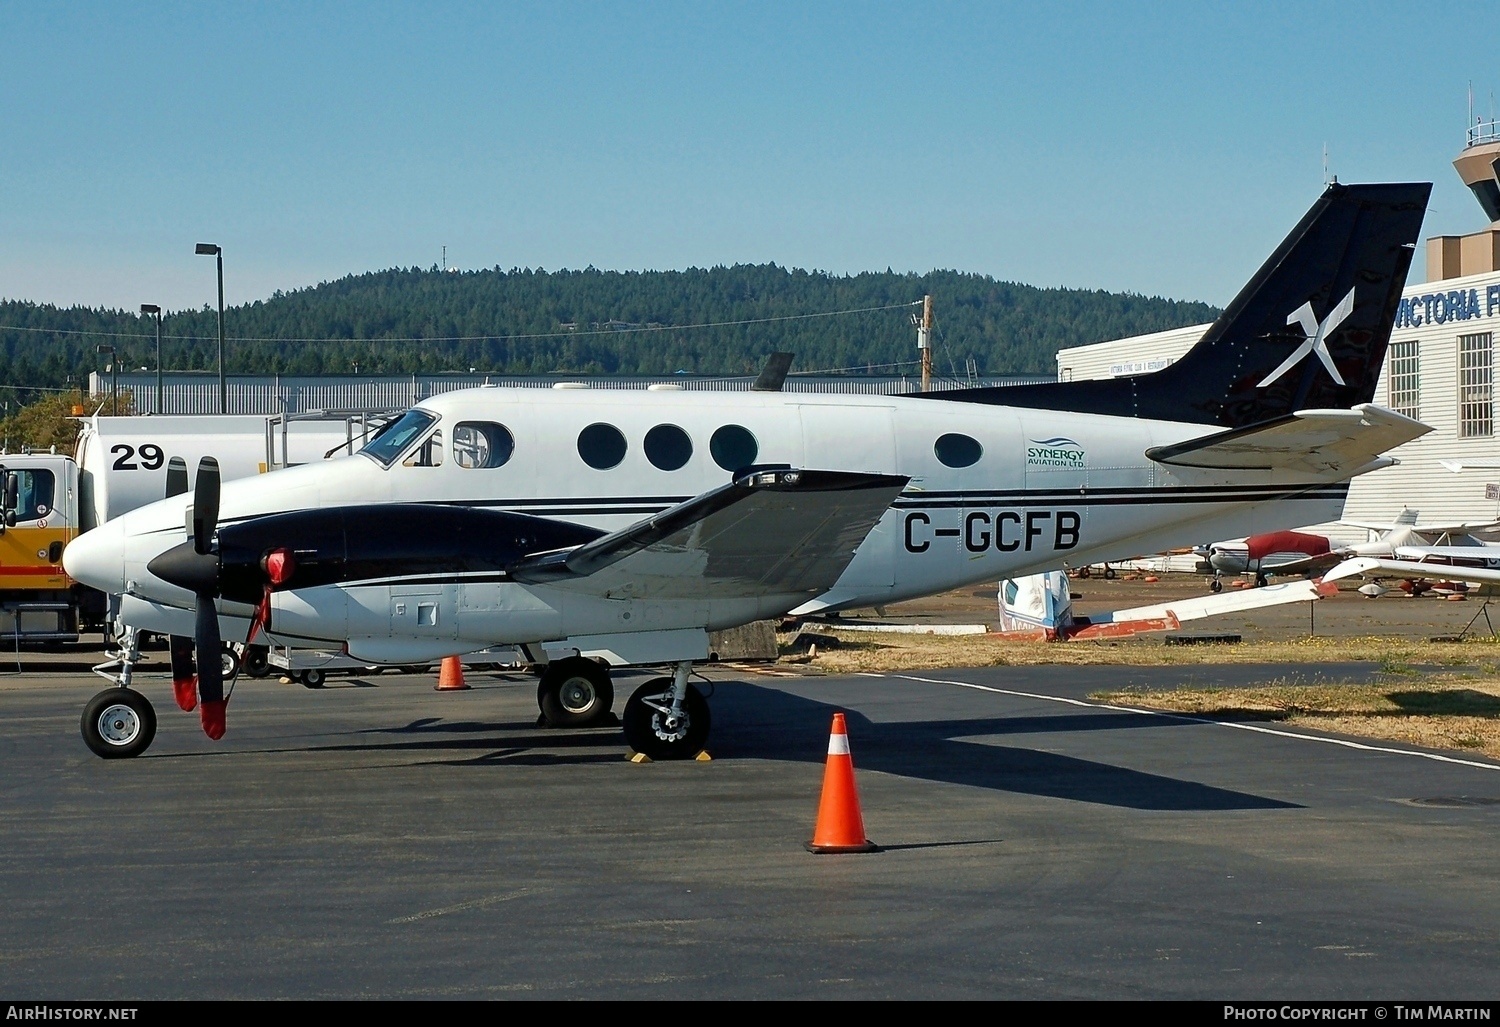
x=767 y=723
x=754 y=722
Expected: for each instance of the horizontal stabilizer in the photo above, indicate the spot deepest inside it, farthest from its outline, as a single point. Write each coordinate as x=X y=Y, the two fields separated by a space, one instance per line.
x=769 y=532
x=1323 y=442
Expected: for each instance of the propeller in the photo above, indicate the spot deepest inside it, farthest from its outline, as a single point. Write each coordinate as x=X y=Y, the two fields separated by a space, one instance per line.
x=184 y=674
x=195 y=566
x=206 y=641
x=177 y=478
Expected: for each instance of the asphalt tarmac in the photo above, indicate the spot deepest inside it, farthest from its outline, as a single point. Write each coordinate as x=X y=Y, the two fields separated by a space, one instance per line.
x=377 y=839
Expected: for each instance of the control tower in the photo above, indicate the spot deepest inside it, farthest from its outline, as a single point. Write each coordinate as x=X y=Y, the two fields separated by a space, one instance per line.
x=1454 y=256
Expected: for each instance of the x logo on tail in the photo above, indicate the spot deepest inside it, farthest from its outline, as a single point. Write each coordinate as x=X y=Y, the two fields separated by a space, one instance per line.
x=1317 y=337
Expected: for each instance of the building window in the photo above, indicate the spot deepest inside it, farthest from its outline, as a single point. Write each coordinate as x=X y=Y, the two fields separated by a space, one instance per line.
x=1476 y=399
x=1404 y=386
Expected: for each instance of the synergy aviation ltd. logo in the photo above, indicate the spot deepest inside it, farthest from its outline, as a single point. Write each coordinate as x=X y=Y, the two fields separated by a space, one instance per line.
x=1060 y=452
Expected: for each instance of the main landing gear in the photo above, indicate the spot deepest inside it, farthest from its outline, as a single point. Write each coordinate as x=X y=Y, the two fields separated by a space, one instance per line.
x=667 y=718
x=575 y=692
x=119 y=722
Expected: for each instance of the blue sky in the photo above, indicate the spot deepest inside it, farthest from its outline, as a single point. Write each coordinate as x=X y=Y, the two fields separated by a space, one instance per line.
x=1157 y=148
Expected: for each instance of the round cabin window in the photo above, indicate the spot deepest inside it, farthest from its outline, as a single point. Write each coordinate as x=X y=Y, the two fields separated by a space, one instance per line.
x=958 y=450
x=601 y=446
x=668 y=447
x=733 y=448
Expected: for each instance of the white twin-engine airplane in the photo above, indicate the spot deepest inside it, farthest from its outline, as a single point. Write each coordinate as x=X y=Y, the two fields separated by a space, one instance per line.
x=588 y=524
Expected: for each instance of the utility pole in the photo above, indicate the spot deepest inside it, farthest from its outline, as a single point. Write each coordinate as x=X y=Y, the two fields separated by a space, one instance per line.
x=924 y=341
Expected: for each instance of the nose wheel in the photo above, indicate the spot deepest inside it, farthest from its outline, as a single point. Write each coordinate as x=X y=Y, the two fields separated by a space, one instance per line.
x=575 y=692
x=118 y=723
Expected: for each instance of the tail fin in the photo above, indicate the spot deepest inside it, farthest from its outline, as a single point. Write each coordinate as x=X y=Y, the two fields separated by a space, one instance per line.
x=1309 y=331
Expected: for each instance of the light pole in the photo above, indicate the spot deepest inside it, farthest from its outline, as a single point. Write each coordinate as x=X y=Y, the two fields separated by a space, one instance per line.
x=208 y=249
x=152 y=308
x=114 y=379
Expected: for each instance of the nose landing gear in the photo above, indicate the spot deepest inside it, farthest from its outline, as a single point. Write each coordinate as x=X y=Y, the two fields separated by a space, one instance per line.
x=119 y=722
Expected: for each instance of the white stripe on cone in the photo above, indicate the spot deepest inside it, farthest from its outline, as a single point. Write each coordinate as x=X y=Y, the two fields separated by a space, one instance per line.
x=838 y=745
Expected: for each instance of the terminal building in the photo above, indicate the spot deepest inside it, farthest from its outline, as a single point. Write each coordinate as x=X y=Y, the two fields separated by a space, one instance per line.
x=1440 y=370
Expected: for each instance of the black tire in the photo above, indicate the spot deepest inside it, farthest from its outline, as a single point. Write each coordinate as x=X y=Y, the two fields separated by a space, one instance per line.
x=257 y=661
x=118 y=724
x=1109 y=573
x=229 y=660
x=312 y=678
x=575 y=692
x=646 y=733
x=1216 y=586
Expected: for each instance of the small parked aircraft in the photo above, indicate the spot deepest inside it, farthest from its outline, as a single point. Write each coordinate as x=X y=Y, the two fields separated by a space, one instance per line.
x=591 y=525
x=1296 y=552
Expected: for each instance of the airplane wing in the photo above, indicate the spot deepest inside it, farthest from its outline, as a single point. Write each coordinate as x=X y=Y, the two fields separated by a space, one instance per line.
x=1369 y=565
x=769 y=532
x=1170 y=616
x=1459 y=466
x=1318 y=441
x=1466 y=528
x=1487 y=553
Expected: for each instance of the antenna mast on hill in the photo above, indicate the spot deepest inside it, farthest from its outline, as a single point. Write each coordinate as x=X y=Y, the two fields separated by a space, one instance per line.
x=924 y=340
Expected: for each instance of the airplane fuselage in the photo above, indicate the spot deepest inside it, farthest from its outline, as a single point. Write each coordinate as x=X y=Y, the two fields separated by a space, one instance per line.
x=995 y=492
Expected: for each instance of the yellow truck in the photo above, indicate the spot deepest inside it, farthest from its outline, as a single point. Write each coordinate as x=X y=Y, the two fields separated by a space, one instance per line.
x=38 y=602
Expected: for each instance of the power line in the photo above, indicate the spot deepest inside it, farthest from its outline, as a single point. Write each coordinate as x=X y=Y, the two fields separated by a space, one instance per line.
x=625 y=330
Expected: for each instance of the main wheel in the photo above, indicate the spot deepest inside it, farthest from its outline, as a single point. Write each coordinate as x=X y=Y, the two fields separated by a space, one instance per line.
x=1216 y=586
x=649 y=729
x=257 y=661
x=118 y=723
x=575 y=692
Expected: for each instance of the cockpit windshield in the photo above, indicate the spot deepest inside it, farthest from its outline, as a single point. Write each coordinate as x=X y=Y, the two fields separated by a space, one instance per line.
x=394 y=439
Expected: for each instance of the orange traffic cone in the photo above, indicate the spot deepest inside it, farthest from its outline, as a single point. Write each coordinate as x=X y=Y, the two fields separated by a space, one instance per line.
x=840 y=828
x=451 y=676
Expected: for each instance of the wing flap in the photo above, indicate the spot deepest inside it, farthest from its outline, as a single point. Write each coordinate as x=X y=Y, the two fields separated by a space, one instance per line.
x=769 y=532
x=1317 y=441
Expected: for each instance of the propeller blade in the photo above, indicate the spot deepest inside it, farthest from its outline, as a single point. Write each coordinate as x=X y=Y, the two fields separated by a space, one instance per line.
x=177 y=478
x=184 y=676
x=207 y=644
x=206 y=506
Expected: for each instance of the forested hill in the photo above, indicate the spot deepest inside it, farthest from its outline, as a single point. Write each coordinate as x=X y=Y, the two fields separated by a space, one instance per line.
x=428 y=320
